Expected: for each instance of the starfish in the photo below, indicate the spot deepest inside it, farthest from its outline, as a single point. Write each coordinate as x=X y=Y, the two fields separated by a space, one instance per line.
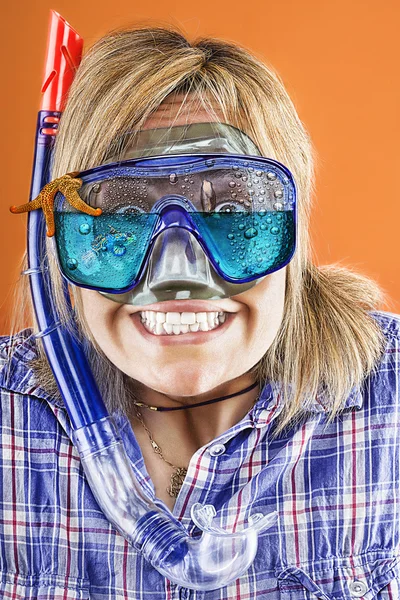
x=68 y=185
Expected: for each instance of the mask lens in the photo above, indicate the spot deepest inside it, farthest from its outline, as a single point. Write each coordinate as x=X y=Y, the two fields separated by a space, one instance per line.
x=242 y=215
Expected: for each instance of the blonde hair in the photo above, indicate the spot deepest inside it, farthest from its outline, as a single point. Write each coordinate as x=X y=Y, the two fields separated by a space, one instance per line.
x=327 y=340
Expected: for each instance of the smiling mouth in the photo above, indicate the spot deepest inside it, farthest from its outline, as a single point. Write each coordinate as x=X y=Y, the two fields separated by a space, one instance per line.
x=175 y=323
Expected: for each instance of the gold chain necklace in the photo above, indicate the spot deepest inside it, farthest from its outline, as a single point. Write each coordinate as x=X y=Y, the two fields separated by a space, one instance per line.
x=179 y=474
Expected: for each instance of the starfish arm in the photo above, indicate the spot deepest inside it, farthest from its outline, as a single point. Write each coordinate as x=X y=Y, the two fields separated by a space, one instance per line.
x=76 y=201
x=68 y=186
x=32 y=205
x=49 y=216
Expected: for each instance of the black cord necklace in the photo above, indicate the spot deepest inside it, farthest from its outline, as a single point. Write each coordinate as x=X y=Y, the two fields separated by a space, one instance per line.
x=164 y=408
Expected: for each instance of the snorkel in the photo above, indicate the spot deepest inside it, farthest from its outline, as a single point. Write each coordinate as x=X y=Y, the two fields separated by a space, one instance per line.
x=218 y=557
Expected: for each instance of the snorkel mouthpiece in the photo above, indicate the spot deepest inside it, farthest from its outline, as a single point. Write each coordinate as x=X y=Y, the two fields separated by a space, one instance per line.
x=216 y=558
x=210 y=562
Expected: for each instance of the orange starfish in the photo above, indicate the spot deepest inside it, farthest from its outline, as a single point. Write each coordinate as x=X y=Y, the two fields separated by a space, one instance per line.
x=68 y=185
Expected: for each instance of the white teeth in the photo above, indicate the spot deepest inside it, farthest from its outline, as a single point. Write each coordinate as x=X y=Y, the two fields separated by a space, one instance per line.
x=188 y=318
x=159 y=328
x=168 y=327
x=211 y=319
x=173 y=318
x=174 y=323
x=201 y=317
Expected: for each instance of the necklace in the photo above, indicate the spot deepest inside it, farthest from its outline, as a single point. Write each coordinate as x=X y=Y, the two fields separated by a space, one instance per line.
x=179 y=473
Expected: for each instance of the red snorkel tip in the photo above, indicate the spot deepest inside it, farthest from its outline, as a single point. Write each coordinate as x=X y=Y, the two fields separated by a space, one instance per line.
x=63 y=55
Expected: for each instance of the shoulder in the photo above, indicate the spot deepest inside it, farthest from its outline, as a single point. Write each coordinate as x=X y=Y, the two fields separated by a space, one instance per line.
x=22 y=396
x=389 y=324
x=16 y=352
x=383 y=383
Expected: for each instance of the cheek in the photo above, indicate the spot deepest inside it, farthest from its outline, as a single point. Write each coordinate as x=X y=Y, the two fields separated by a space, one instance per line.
x=266 y=307
x=99 y=316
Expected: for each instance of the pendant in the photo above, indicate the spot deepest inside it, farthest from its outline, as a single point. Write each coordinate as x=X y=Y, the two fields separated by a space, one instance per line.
x=177 y=479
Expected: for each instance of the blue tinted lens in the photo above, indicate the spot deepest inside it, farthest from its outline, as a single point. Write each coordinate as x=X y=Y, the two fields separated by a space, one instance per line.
x=247 y=244
x=242 y=211
x=105 y=251
x=108 y=251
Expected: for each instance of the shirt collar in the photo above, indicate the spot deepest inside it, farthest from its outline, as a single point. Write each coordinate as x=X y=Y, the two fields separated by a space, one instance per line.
x=17 y=375
x=271 y=400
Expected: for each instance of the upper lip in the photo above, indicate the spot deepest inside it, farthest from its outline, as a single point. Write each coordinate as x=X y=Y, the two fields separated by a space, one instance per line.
x=183 y=306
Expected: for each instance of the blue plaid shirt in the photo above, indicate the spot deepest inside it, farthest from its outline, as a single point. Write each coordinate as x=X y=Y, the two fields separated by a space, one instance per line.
x=336 y=489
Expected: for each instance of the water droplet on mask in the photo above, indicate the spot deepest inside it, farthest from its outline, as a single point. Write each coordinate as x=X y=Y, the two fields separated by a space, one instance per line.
x=232 y=184
x=278 y=206
x=173 y=178
x=241 y=226
x=72 y=264
x=278 y=194
x=186 y=179
x=84 y=228
x=269 y=220
x=233 y=194
x=275 y=230
x=271 y=176
x=210 y=162
x=258 y=173
x=230 y=236
x=250 y=233
x=238 y=174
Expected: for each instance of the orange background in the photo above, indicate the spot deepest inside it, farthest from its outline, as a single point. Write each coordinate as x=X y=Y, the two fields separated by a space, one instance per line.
x=339 y=61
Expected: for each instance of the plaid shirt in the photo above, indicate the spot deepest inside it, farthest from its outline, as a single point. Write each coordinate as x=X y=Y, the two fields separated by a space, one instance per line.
x=336 y=489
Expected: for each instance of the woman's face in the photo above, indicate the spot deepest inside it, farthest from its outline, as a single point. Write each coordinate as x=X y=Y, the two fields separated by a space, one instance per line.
x=193 y=363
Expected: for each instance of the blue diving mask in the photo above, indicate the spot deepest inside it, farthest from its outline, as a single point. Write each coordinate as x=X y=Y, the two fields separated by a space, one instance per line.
x=187 y=212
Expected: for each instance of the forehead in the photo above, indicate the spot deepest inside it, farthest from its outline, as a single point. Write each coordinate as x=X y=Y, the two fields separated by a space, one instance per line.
x=182 y=109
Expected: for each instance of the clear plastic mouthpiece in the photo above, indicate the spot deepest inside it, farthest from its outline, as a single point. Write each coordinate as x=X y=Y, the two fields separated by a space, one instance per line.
x=210 y=562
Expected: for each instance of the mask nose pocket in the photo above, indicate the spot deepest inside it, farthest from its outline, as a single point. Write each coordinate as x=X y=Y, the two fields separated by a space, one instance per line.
x=365 y=577
x=177 y=257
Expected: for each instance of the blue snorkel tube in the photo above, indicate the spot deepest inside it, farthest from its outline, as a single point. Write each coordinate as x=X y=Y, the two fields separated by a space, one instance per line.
x=218 y=557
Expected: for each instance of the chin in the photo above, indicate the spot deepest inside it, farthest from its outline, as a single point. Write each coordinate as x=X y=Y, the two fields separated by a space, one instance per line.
x=186 y=385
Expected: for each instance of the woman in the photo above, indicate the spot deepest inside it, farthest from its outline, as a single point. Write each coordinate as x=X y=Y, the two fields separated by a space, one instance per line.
x=305 y=343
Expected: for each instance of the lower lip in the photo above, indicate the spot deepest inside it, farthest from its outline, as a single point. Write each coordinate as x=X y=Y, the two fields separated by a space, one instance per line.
x=198 y=337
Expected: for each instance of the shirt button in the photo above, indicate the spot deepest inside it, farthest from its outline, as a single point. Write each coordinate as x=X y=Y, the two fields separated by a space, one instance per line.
x=358 y=588
x=217 y=449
